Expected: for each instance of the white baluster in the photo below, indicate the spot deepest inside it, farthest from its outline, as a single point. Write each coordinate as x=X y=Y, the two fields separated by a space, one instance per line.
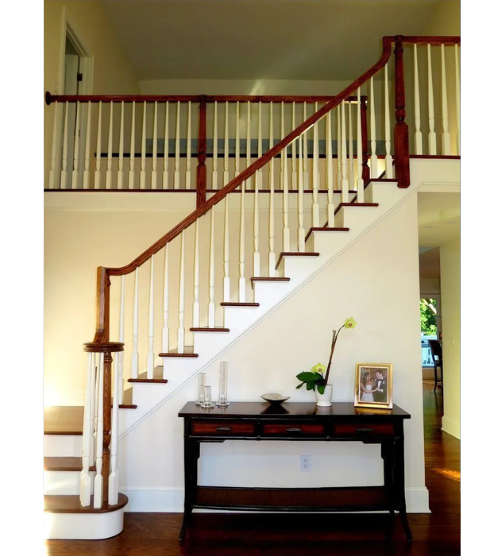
x=98 y=479
x=131 y=149
x=188 y=181
x=301 y=232
x=120 y=354
x=305 y=161
x=227 y=280
x=432 y=136
x=63 y=177
x=85 y=177
x=339 y=159
x=76 y=144
x=248 y=141
x=153 y=175
x=85 y=477
x=135 y=358
x=387 y=127
x=93 y=420
x=360 y=186
x=177 y=147
x=272 y=256
x=97 y=172
x=286 y=229
x=351 y=170
x=195 y=305
x=166 y=151
x=108 y=175
x=113 y=484
x=143 y=171
x=237 y=148
x=150 y=353
x=418 y=136
x=52 y=171
x=446 y=136
x=120 y=173
x=241 y=281
x=316 y=173
x=344 y=160
x=226 y=145
x=329 y=171
x=374 y=172
x=214 y=180
x=282 y=167
x=458 y=100
x=165 y=328
x=211 y=281
x=181 y=297
x=294 y=153
x=258 y=184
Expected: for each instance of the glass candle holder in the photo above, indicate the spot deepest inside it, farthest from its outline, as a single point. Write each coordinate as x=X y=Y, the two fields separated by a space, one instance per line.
x=222 y=400
x=207 y=397
x=201 y=383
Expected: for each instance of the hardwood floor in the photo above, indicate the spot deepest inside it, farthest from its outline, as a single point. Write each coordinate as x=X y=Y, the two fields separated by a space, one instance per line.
x=435 y=534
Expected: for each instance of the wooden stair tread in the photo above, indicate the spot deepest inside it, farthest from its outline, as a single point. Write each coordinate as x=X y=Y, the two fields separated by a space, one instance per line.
x=66 y=463
x=188 y=351
x=62 y=419
x=232 y=304
x=269 y=279
x=157 y=377
x=295 y=254
x=208 y=329
x=127 y=400
x=70 y=504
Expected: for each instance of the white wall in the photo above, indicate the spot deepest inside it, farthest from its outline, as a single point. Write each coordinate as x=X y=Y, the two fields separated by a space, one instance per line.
x=376 y=282
x=450 y=268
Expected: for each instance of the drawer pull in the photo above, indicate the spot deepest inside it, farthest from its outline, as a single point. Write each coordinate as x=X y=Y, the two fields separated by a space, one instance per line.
x=223 y=428
x=294 y=429
x=365 y=430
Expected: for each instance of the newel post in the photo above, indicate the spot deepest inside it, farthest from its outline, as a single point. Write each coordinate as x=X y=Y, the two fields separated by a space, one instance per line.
x=401 y=132
x=201 y=154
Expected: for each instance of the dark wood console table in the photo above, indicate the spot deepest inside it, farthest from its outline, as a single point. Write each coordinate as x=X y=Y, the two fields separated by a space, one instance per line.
x=296 y=421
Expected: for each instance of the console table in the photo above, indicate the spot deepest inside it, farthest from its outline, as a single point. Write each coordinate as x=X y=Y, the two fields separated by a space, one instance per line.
x=295 y=421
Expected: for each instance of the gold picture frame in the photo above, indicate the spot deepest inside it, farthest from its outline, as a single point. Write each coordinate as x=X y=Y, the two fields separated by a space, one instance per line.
x=374 y=385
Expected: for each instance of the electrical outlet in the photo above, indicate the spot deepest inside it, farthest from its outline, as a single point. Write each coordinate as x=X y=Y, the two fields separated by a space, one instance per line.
x=305 y=463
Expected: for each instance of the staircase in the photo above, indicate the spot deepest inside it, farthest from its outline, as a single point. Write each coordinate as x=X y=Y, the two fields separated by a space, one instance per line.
x=85 y=502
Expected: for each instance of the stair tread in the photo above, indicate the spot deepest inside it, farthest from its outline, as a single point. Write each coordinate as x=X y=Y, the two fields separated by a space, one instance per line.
x=157 y=376
x=269 y=279
x=325 y=229
x=188 y=351
x=127 y=399
x=66 y=463
x=208 y=329
x=232 y=304
x=70 y=503
x=295 y=254
x=63 y=420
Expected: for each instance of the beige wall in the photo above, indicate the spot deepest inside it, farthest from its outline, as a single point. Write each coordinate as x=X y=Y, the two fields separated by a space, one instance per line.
x=450 y=268
x=111 y=72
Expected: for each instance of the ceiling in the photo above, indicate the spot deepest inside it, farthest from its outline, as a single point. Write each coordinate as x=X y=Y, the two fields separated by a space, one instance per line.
x=279 y=39
x=261 y=39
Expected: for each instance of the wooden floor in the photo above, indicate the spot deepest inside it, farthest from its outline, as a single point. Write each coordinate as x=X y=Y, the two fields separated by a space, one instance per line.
x=435 y=534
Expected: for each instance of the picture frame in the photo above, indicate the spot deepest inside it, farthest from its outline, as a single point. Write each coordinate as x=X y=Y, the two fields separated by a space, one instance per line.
x=374 y=385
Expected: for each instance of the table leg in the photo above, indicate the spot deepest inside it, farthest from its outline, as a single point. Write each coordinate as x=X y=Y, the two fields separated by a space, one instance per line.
x=191 y=455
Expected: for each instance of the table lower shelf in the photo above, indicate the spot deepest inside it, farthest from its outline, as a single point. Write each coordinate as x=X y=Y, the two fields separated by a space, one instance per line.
x=294 y=499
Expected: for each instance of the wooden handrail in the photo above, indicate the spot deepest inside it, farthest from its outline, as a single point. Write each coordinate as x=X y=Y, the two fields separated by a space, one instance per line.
x=434 y=41
x=255 y=166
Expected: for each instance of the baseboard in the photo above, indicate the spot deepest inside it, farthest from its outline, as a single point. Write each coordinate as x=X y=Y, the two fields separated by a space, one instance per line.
x=451 y=427
x=170 y=500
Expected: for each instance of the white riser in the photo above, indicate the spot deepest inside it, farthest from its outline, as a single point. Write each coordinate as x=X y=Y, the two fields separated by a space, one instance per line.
x=83 y=526
x=63 y=482
x=56 y=445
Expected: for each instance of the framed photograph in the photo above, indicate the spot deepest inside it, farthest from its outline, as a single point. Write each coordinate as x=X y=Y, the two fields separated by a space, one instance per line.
x=374 y=385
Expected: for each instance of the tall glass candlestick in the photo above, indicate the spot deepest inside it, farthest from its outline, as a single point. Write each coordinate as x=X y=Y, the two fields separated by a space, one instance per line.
x=201 y=383
x=222 y=387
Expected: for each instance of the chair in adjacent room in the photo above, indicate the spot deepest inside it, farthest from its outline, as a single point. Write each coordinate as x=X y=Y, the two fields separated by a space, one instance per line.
x=436 y=352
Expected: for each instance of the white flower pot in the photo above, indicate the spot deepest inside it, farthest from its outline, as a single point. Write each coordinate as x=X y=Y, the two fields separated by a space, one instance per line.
x=324 y=399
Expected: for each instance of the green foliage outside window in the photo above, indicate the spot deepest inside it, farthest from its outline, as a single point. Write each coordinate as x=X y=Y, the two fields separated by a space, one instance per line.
x=428 y=310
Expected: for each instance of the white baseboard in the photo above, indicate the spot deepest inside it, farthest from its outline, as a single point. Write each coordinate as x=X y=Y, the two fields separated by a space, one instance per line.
x=451 y=427
x=170 y=500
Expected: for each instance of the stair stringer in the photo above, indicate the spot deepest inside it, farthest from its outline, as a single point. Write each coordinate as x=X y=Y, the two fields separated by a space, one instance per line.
x=300 y=270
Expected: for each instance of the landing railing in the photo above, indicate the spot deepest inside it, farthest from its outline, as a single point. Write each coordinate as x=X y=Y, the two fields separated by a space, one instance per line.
x=202 y=270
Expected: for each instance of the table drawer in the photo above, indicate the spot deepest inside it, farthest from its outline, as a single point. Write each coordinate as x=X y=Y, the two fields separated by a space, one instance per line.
x=222 y=428
x=293 y=429
x=363 y=429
